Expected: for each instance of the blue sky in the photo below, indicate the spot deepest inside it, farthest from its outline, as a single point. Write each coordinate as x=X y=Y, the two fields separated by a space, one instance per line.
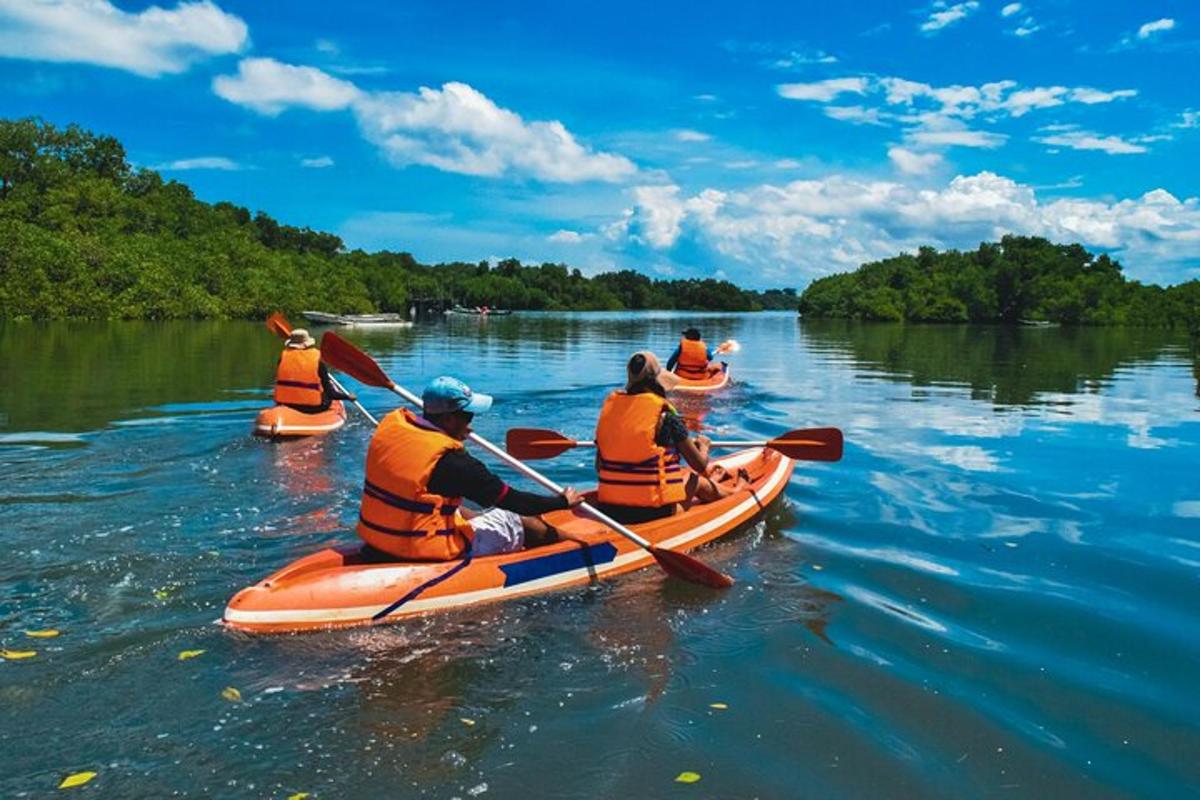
x=769 y=143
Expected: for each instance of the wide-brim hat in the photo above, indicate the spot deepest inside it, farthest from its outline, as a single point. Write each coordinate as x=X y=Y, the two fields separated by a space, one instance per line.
x=299 y=339
x=651 y=370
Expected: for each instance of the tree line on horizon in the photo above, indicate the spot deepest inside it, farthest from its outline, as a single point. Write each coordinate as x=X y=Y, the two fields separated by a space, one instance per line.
x=83 y=234
x=1018 y=279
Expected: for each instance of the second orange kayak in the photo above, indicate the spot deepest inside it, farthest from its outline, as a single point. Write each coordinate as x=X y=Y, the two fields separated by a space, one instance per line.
x=281 y=421
x=715 y=381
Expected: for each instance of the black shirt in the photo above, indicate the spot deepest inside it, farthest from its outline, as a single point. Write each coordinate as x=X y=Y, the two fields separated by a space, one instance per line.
x=460 y=474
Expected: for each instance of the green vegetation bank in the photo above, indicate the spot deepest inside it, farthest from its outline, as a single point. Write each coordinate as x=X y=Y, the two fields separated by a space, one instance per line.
x=1018 y=279
x=85 y=235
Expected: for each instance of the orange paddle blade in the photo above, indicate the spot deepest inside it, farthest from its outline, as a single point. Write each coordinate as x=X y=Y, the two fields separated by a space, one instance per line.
x=345 y=357
x=683 y=566
x=536 y=443
x=277 y=324
x=810 y=444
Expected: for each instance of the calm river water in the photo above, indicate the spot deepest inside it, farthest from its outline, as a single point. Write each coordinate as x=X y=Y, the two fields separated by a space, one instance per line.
x=994 y=595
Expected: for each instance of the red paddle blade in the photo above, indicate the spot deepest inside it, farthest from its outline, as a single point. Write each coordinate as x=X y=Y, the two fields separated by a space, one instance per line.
x=810 y=444
x=345 y=357
x=683 y=566
x=534 y=443
x=277 y=324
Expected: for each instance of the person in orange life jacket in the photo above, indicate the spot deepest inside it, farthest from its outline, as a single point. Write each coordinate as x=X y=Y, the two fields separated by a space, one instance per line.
x=641 y=441
x=691 y=358
x=301 y=379
x=418 y=473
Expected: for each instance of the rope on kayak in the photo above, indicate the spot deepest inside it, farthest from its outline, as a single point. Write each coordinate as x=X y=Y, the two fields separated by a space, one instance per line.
x=427 y=584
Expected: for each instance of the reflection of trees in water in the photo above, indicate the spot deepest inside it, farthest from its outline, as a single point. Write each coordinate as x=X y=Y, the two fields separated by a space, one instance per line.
x=81 y=376
x=1003 y=364
x=1196 y=362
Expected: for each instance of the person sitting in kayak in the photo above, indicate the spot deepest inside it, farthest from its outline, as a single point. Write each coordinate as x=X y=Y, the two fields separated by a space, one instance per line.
x=301 y=379
x=691 y=358
x=418 y=473
x=641 y=442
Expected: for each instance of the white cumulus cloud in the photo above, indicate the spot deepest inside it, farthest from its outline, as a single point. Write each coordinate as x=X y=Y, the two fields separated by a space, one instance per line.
x=807 y=228
x=454 y=129
x=269 y=87
x=152 y=42
x=1158 y=26
x=822 y=91
x=948 y=15
x=1010 y=9
x=459 y=129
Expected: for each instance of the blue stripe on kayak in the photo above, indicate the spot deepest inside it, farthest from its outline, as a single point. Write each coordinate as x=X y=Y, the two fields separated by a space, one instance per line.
x=578 y=558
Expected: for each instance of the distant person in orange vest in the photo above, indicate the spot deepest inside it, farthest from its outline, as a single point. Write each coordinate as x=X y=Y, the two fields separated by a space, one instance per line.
x=691 y=358
x=418 y=473
x=301 y=380
x=641 y=444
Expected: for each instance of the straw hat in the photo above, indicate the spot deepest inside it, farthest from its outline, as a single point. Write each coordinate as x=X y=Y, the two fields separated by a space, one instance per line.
x=300 y=340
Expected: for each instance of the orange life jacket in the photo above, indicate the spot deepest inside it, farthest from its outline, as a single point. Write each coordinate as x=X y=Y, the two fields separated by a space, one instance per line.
x=633 y=469
x=693 y=359
x=297 y=382
x=398 y=514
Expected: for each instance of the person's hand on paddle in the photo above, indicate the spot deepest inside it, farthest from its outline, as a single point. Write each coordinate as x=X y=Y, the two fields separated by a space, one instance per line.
x=573 y=497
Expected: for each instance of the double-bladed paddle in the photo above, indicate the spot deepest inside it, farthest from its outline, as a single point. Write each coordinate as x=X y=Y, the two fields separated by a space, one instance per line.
x=803 y=444
x=349 y=359
x=277 y=323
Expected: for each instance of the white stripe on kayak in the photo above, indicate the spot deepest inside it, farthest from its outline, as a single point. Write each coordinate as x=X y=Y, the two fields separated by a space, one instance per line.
x=284 y=430
x=362 y=613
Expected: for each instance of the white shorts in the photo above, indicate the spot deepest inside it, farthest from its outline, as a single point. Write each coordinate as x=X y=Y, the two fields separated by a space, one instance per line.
x=497 y=531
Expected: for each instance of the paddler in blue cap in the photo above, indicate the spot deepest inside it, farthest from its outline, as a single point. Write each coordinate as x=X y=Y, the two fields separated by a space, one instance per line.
x=418 y=474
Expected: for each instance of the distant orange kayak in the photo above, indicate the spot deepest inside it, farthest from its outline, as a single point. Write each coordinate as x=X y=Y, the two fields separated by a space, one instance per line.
x=345 y=586
x=712 y=383
x=282 y=421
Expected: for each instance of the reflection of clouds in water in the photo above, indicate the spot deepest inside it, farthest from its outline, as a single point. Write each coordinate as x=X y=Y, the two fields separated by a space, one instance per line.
x=890 y=555
x=1187 y=508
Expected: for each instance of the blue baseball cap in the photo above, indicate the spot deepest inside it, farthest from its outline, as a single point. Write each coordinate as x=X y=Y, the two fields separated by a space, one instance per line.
x=445 y=394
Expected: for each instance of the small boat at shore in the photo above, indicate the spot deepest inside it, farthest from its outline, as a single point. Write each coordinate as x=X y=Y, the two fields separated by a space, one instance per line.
x=282 y=422
x=360 y=320
x=714 y=382
x=463 y=311
x=350 y=585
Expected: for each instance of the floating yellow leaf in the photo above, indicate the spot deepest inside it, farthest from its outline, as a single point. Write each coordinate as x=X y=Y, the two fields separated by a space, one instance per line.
x=78 y=779
x=231 y=694
x=718 y=706
x=184 y=655
x=161 y=594
x=49 y=633
x=687 y=777
x=465 y=721
x=298 y=796
x=17 y=655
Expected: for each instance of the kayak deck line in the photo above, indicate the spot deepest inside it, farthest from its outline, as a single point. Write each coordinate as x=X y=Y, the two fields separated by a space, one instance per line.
x=305 y=595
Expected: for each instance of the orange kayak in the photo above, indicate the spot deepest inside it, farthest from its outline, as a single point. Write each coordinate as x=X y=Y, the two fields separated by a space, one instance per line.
x=280 y=421
x=712 y=383
x=345 y=586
